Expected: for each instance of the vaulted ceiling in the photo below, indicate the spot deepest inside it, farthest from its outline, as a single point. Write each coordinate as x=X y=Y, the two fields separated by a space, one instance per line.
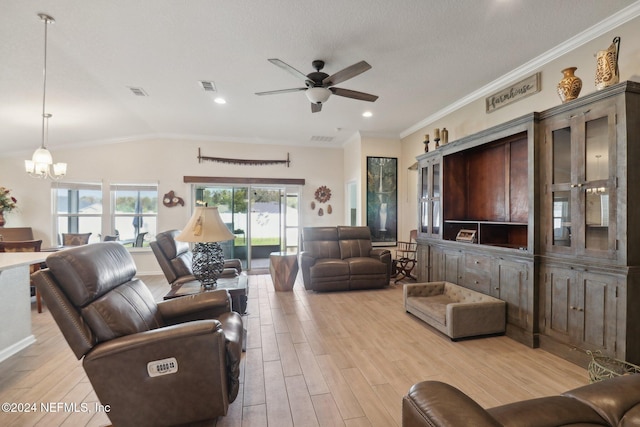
x=425 y=55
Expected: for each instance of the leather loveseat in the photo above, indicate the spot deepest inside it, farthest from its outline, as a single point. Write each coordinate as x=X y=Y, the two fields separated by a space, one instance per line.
x=342 y=258
x=613 y=402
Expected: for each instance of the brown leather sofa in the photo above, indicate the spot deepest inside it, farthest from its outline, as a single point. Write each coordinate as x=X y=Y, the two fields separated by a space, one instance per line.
x=613 y=402
x=154 y=364
x=175 y=259
x=342 y=258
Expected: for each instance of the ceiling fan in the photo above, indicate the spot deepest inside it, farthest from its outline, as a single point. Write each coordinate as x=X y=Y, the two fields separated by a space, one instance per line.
x=319 y=85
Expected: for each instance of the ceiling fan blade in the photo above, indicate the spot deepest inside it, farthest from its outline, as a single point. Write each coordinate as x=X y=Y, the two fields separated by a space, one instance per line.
x=353 y=94
x=346 y=73
x=275 y=92
x=315 y=108
x=288 y=68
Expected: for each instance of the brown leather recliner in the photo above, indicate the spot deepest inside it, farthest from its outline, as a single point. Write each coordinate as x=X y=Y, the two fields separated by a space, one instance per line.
x=175 y=259
x=613 y=402
x=342 y=258
x=153 y=364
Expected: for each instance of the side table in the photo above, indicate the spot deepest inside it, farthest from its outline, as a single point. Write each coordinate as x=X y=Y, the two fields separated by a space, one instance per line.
x=283 y=267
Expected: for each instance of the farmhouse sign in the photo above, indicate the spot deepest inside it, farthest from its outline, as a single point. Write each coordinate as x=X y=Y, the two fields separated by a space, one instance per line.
x=514 y=93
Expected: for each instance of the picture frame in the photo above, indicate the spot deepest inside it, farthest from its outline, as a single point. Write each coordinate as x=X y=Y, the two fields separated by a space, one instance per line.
x=382 y=200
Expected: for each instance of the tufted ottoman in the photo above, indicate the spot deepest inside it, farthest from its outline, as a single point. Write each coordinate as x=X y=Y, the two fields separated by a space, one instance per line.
x=455 y=310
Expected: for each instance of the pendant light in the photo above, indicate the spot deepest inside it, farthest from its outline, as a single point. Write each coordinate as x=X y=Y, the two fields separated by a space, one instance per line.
x=40 y=164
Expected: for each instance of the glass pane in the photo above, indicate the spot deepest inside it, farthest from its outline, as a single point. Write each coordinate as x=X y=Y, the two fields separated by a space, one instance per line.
x=436 y=217
x=597 y=149
x=79 y=224
x=134 y=201
x=561 y=218
x=291 y=235
x=436 y=180
x=424 y=220
x=425 y=183
x=561 y=155
x=233 y=206
x=78 y=201
x=597 y=215
x=292 y=211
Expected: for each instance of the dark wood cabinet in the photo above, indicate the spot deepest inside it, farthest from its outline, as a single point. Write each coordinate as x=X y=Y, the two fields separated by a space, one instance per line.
x=581 y=310
x=554 y=200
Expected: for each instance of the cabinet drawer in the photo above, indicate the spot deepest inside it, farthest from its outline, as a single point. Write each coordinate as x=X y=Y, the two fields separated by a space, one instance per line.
x=478 y=281
x=477 y=262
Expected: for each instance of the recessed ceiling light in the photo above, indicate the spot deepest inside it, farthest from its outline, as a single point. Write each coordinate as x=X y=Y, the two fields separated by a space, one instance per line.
x=367 y=114
x=220 y=100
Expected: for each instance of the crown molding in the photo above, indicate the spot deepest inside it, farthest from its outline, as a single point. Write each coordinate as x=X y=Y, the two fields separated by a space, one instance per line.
x=625 y=15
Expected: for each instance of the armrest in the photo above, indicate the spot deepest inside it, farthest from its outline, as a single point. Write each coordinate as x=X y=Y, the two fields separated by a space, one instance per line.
x=119 y=373
x=161 y=337
x=306 y=262
x=436 y=404
x=380 y=253
x=203 y=305
x=473 y=318
x=233 y=263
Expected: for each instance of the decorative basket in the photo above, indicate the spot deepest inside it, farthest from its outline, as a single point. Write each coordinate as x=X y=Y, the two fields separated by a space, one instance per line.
x=602 y=367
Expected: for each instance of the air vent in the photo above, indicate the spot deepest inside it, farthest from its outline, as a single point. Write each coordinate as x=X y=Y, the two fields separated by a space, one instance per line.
x=208 y=86
x=322 y=139
x=138 y=91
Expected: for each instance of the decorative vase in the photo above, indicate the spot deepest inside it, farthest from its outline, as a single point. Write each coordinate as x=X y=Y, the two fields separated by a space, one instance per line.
x=570 y=85
x=2 y=221
x=607 y=72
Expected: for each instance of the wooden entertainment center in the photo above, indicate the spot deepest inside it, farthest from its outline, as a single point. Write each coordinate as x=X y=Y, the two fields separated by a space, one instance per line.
x=543 y=212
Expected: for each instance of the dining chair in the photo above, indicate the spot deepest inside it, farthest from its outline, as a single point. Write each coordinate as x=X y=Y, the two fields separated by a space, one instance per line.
x=26 y=246
x=75 y=239
x=139 y=242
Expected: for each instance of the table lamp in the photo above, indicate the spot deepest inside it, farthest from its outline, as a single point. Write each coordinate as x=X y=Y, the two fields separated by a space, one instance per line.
x=206 y=229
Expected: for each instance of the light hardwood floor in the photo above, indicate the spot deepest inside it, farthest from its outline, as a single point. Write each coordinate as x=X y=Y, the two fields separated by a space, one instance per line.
x=312 y=359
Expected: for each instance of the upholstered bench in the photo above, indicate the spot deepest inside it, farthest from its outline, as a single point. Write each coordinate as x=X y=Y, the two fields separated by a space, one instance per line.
x=455 y=310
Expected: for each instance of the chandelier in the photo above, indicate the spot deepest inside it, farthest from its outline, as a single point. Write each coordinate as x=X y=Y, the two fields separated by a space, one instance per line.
x=41 y=162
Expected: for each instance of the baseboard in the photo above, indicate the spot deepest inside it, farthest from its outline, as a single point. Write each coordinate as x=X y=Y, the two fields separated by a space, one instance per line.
x=14 y=348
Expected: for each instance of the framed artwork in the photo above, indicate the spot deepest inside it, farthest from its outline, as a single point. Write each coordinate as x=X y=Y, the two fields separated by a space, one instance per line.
x=382 y=200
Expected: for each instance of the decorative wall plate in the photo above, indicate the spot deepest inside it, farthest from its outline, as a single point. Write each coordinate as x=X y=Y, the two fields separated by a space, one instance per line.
x=323 y=194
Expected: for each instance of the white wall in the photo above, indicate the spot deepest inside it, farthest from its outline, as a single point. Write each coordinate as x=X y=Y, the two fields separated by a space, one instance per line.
x=166 y=162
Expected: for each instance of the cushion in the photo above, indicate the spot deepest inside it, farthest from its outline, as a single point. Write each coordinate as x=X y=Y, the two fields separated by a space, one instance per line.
x=127 y=309
x=87 y=272
x=329 y=267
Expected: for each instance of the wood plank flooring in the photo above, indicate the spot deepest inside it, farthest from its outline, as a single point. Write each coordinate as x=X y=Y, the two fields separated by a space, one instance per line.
x=312 y=359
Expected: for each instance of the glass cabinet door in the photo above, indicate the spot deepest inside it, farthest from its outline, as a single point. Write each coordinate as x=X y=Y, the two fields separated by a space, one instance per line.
x=435 y=199
x=597 y=182
x=560 y=187
x=430 y=207
x=424 y=199
x=581 y=182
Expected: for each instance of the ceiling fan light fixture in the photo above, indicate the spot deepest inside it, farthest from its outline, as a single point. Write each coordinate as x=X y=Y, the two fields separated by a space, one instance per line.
x=318 y=95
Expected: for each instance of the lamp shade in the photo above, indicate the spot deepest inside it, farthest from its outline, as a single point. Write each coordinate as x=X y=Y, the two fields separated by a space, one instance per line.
x=205 y=226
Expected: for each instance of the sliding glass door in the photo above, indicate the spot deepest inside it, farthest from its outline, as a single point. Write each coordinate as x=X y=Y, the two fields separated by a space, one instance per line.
x=263 y=219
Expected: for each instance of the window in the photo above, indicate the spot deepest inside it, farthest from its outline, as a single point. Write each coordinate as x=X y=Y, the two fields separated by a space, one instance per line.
x=135 y=213
x=78 y=209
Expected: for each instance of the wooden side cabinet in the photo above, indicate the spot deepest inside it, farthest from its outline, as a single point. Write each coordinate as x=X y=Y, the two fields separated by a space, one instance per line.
x=581 y=310
x=515 y=284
